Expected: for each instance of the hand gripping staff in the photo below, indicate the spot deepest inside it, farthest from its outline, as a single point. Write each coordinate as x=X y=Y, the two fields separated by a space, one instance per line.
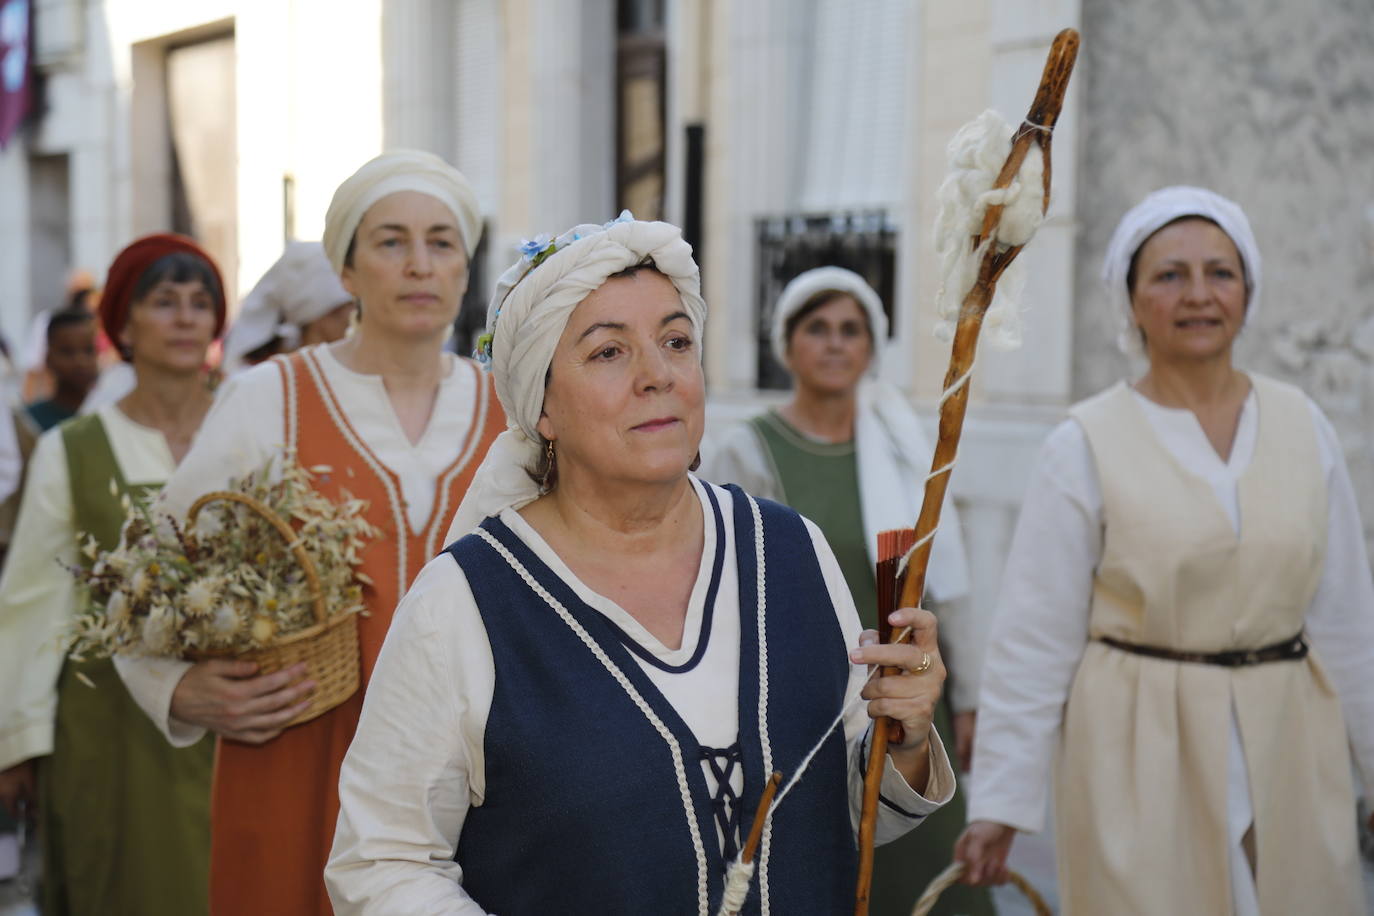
x=1036 y=129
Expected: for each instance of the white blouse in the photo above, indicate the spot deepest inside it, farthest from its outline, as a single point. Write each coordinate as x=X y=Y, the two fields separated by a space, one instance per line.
x=38 y=594
x=416 y=765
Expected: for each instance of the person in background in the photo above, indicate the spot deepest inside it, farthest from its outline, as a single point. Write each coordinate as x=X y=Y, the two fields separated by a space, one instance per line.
x=298 y=302
x=71 y=359
x=847 y=452
x=31 y=357
x=124 y=816
x=1186 y=627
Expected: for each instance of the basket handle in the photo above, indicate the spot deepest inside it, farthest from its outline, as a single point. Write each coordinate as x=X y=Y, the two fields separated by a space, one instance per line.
x=955 y=871
x=293 y=540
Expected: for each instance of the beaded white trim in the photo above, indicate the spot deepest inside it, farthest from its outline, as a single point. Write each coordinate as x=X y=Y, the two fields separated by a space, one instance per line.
x=289 y=397
x=684 y=791
x=762 y=615
x=394 y=500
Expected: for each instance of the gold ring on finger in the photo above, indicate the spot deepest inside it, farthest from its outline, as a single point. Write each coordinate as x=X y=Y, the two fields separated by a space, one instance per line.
x=926 y=662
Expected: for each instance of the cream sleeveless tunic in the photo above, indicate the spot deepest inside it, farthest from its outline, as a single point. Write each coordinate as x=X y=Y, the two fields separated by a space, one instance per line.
x=1141 y=777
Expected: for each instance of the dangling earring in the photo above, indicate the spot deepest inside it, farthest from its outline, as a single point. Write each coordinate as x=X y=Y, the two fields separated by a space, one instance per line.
x=549 y=460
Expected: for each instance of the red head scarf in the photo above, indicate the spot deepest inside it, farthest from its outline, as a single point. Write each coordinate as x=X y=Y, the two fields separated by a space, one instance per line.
x=128 y=268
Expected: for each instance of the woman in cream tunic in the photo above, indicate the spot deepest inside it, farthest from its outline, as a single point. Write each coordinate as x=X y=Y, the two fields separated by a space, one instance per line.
x=125 y=821
x=1189 y=600
x=402 y=425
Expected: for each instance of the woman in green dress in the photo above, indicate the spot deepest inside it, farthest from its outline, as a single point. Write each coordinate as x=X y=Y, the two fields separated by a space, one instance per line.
x=124 y=816
x=848 y=453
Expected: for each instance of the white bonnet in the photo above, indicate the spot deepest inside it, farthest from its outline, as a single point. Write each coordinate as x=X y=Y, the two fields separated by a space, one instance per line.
x=806 y=285
x=533 y=301
x=1153 y=213
x=299 y=288
x=532 y=305
x=393 y=171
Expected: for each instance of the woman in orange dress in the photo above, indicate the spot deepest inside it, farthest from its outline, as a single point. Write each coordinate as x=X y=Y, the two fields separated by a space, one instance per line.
x=403 y=425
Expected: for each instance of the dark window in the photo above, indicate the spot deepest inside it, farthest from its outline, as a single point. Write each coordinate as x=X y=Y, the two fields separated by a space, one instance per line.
x=865 y=242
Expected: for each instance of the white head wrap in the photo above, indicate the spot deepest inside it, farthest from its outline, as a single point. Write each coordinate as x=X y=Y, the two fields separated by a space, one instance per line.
x=526 y=318
x=393 y=171
x=807 y=284
x=299 y=288
x=1152 y=214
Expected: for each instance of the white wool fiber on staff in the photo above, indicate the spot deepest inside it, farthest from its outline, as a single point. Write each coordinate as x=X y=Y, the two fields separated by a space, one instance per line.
x=976 y=155
x=737 y=879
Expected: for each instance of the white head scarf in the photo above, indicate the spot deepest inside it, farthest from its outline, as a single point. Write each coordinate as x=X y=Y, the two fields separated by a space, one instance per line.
x=299 y=288
x=393 y=171
x=534 y=299
x=1152 y=214
x=808 y=284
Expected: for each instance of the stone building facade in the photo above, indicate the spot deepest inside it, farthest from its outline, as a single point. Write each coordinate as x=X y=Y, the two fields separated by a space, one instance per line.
x=1272 y=104
x=740 y=120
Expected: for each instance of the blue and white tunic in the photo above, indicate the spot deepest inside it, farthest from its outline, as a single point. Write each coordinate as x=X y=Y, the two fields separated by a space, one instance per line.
x=527 y=747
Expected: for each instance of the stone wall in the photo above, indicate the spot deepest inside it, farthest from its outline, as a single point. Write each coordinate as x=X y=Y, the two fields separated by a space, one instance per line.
x=1270 y=102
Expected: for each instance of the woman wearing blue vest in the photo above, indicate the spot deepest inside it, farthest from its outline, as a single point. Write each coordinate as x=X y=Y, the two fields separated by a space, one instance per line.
x=578 y=703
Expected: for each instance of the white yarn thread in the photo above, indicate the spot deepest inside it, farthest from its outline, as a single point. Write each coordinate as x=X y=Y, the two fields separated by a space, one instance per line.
x=679 y=767
x=976 y=155
x=736 y=888
x=947 y=468
x=737 y=867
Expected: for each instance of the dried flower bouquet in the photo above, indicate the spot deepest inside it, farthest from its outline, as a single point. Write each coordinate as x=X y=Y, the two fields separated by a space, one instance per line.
x=232 y=588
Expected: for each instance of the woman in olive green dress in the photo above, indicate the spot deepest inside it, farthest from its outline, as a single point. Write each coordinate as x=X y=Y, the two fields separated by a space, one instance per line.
x=124 y=816
x=848 y=453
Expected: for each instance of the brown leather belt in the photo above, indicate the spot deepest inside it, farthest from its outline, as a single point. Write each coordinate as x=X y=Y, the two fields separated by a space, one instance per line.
x=1291 y=649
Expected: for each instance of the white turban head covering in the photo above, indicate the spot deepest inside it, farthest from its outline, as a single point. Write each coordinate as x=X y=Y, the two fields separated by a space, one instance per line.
x=1155 y=212
x=393 y=171
x=807 y=285
x=299 y=288
x=533 y=301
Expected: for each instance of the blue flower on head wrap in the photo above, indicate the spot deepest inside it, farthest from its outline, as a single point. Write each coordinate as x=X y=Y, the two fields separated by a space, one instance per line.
x=532 y=248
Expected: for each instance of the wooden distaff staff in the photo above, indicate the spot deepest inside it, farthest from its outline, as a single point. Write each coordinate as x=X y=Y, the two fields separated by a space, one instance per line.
x=1036 y=129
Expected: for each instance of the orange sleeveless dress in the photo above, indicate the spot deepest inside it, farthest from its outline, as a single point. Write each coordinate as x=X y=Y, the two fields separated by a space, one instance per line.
x=274 y=805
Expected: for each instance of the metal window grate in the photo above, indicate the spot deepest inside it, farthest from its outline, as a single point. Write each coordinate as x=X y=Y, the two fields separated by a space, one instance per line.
x=863 y=241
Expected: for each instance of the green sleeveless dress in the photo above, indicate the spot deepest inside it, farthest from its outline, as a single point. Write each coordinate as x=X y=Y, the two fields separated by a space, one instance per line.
x=821 y=481
x=125 y=817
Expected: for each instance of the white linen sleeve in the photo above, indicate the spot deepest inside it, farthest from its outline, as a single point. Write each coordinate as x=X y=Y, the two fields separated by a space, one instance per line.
x=37 y=600
x=415 y=765
x=1340 y=620
x=902 y=807
x=1038 y=635
x=963 y=642
x=240 y=434
x=742 y=460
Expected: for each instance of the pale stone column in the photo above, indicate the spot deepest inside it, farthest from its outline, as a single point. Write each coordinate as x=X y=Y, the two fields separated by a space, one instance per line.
x=418 y=102
x=558 y=86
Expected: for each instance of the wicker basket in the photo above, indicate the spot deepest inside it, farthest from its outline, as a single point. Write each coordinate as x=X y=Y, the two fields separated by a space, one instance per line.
x=329 y=648
x=949 y=876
